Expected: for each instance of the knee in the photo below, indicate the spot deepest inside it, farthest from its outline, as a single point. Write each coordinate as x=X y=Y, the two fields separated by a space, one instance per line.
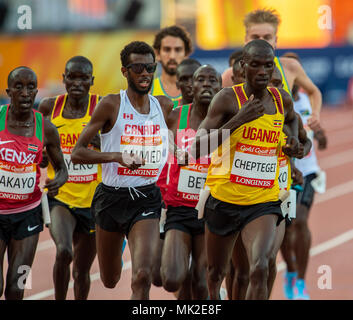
x=109 y=281
x=216 y=273
x=80 y=275
x=171 y=279
x=259 y=271
x=242 y=278
x=301 y=224
x=64 y=255
x=142 y=277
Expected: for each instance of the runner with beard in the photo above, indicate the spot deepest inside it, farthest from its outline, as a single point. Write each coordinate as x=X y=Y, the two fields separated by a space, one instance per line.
x=23 y=135
x=172 y=45
x=184 y=231
x=134 y=146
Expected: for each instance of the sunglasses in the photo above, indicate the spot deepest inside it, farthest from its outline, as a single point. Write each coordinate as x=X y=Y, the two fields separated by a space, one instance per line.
x=138 y=67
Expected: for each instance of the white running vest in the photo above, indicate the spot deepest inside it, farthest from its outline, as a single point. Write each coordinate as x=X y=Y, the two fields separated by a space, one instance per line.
x=143 y=134
x=308 y=164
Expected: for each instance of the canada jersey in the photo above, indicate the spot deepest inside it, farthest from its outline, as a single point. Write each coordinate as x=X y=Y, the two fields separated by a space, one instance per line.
x=244 y=168
x=145 y=135
x=19 y=166
x=83 y=179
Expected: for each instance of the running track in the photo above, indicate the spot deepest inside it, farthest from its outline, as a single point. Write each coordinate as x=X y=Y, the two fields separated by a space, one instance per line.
x=331 y=223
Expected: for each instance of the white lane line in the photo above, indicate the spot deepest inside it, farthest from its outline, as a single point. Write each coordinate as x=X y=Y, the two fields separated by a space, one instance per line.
x=336 y=160
x=334 y=192
x=325 y=246
x=50 y=292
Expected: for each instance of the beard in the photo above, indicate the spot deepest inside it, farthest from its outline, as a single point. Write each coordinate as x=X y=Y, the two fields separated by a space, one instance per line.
x=169 y=71
x=133 y=86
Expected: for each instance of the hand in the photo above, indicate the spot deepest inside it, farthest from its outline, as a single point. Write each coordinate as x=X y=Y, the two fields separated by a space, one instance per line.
x=297 y=176
x=130 y=161
x=321 y=139
x=292 y=147
x=314 y=122
x=53 y=186
x=251 y=110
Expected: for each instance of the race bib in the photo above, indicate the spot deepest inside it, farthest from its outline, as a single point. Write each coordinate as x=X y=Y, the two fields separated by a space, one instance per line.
x=191 y=180
x=17 y=182
x=148 y=148
x=283 y=175
x=254 y=166
x=80 y=173
x=289 y=206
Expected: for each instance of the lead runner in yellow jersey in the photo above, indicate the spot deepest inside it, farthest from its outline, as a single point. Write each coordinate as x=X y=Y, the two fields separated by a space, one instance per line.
x=244 y=187
x=72 y=225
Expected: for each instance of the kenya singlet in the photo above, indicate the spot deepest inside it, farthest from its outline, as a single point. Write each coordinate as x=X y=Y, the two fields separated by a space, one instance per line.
x=247 y=171
x=186 y=182
x=83 y=179
x=145 y=135
x=19 y=166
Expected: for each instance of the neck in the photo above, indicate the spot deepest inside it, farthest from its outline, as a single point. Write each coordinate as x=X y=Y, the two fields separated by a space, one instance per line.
x=185 y=101
x=199 y=109
x=258 y=93
x=137 y=99
x=168 y=79
x=19 y=115
x=77 y=103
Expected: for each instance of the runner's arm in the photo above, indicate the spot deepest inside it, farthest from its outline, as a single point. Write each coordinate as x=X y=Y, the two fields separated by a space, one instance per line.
x=52 y=145
x=303 y=81
x=103 y=118
x=303 y=138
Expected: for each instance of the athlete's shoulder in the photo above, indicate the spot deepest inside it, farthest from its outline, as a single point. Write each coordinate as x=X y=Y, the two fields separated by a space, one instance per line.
x=46 y=105
x=290 y=64
x=285 y=96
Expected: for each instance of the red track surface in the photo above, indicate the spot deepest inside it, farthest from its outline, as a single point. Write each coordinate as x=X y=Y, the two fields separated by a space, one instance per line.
x=331 y=223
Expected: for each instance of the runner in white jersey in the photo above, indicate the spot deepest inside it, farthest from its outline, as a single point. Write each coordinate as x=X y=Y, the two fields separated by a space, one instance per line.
x=134 y=145
x=296 y=245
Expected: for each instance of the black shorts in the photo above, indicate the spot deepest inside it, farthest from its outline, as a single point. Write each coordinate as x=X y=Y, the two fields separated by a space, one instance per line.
x=306 y=197
x=84 y=220
x=117 y=210
x=223 y=218
x=184 y=219
x=21 y=225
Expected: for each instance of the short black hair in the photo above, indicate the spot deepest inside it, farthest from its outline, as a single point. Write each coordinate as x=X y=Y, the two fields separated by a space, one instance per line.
x=173 y=31
x=80 y=60
x=236 y=56
x=138 y=47
x=189 y=62
x=258 y=43
x=11 y=74
x=219 y=76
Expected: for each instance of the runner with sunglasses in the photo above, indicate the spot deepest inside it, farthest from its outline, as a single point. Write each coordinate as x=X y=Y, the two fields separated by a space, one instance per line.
x=134 y=148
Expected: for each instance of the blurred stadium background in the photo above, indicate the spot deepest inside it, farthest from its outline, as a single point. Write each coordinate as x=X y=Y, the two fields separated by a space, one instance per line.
x=320 y=31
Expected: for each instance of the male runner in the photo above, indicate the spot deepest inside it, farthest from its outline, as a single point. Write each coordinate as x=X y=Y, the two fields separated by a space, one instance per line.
x=172 y=45
x=243 y=180
x=263 y=24
x=23 y=135
x=134 y=145
x=72 y=226
x=184 y=232
x=296 y=244
x=185 y=73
